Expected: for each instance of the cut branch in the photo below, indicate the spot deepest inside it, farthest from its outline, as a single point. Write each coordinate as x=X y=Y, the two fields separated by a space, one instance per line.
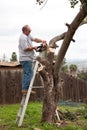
x=68 y=25
x=53 y=41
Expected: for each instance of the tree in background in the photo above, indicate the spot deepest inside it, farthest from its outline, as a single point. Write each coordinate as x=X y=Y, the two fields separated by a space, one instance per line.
x=64 y=66
x=73 y=70
x=13 y=57
x=50 y=71
x=4 y=57
x=82 y=75
x=73 y=67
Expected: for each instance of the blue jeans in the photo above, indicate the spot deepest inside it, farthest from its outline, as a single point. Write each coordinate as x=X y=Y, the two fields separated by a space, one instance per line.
x=27 y=73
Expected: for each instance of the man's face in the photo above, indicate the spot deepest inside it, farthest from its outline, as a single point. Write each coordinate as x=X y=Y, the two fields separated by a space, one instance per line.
x=28 y=30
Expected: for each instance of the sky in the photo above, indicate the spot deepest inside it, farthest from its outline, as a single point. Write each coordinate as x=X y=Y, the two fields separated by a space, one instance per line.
x=46 y=22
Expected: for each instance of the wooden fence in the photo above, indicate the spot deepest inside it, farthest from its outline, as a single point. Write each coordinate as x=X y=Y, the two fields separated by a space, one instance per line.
x=10 y=87
x=74 y=89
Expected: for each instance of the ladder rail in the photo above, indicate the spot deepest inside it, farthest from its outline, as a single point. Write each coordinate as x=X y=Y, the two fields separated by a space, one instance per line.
x=20 y=109
x=28 y=95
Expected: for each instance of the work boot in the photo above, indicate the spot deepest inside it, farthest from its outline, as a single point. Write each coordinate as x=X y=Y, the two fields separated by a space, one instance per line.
x=33 y=92
x=24 y=91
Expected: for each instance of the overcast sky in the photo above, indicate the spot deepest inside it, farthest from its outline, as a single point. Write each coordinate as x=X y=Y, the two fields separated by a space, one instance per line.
x=45 y=23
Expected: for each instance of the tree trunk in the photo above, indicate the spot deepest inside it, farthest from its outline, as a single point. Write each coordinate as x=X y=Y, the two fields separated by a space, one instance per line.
x=50 y=72
x=48 y=103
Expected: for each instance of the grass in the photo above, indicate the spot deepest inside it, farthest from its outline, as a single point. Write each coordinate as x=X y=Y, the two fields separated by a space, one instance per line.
x=32 y=120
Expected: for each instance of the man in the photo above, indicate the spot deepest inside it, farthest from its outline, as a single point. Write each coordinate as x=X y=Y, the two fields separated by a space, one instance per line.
x=26 y=54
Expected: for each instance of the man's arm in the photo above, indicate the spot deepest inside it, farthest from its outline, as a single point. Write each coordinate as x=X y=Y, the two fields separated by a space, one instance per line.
x=39 y=40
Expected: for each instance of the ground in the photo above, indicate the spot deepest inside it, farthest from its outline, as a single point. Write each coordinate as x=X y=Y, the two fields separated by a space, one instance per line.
x=74 y=118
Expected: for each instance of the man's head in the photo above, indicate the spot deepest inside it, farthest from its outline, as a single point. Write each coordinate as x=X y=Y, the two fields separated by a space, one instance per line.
x=26 y=29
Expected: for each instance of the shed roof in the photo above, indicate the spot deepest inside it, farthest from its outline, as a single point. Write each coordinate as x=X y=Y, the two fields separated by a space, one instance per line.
x=10 y=64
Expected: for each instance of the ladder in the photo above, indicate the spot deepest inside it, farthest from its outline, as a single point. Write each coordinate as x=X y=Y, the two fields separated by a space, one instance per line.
x=25 y=98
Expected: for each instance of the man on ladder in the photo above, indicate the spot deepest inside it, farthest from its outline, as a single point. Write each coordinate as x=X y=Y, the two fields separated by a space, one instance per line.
x=26 y=55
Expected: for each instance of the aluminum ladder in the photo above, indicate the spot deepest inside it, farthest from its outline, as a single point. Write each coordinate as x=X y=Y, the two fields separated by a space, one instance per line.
x=25 y=99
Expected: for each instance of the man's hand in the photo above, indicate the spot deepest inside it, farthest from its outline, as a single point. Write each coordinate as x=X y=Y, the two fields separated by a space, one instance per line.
x=44 y=42
x=35 y=48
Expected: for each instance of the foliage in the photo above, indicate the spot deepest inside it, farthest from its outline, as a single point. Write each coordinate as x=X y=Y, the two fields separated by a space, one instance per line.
x=72 y=127
x=82 y=75
x=13 y=57
x=83 y=110
x=40 y=1
x=84 y=3
x=64 y=66
x=73 y=3
x=73 y=67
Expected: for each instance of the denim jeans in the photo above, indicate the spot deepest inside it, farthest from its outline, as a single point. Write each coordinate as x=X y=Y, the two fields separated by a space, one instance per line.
x=27 y=73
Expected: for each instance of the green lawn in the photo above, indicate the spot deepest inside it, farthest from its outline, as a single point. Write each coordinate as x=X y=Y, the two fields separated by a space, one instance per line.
x=33 y=117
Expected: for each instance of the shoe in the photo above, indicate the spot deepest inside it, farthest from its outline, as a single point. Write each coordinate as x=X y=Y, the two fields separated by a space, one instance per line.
x=33 y=92
x=24 y=92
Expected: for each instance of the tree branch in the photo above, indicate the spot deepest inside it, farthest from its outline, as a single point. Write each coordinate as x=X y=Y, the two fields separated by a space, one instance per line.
x=53 y=41
x=67 y=39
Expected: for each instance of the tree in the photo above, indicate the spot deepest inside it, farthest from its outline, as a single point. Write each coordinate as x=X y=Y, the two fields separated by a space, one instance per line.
x=50 y=71
x=82 y=75
x=73 y=3
x=4 y=57
x=64 y=66
x=73 y=67
x=73 y=70
x=13 y=57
